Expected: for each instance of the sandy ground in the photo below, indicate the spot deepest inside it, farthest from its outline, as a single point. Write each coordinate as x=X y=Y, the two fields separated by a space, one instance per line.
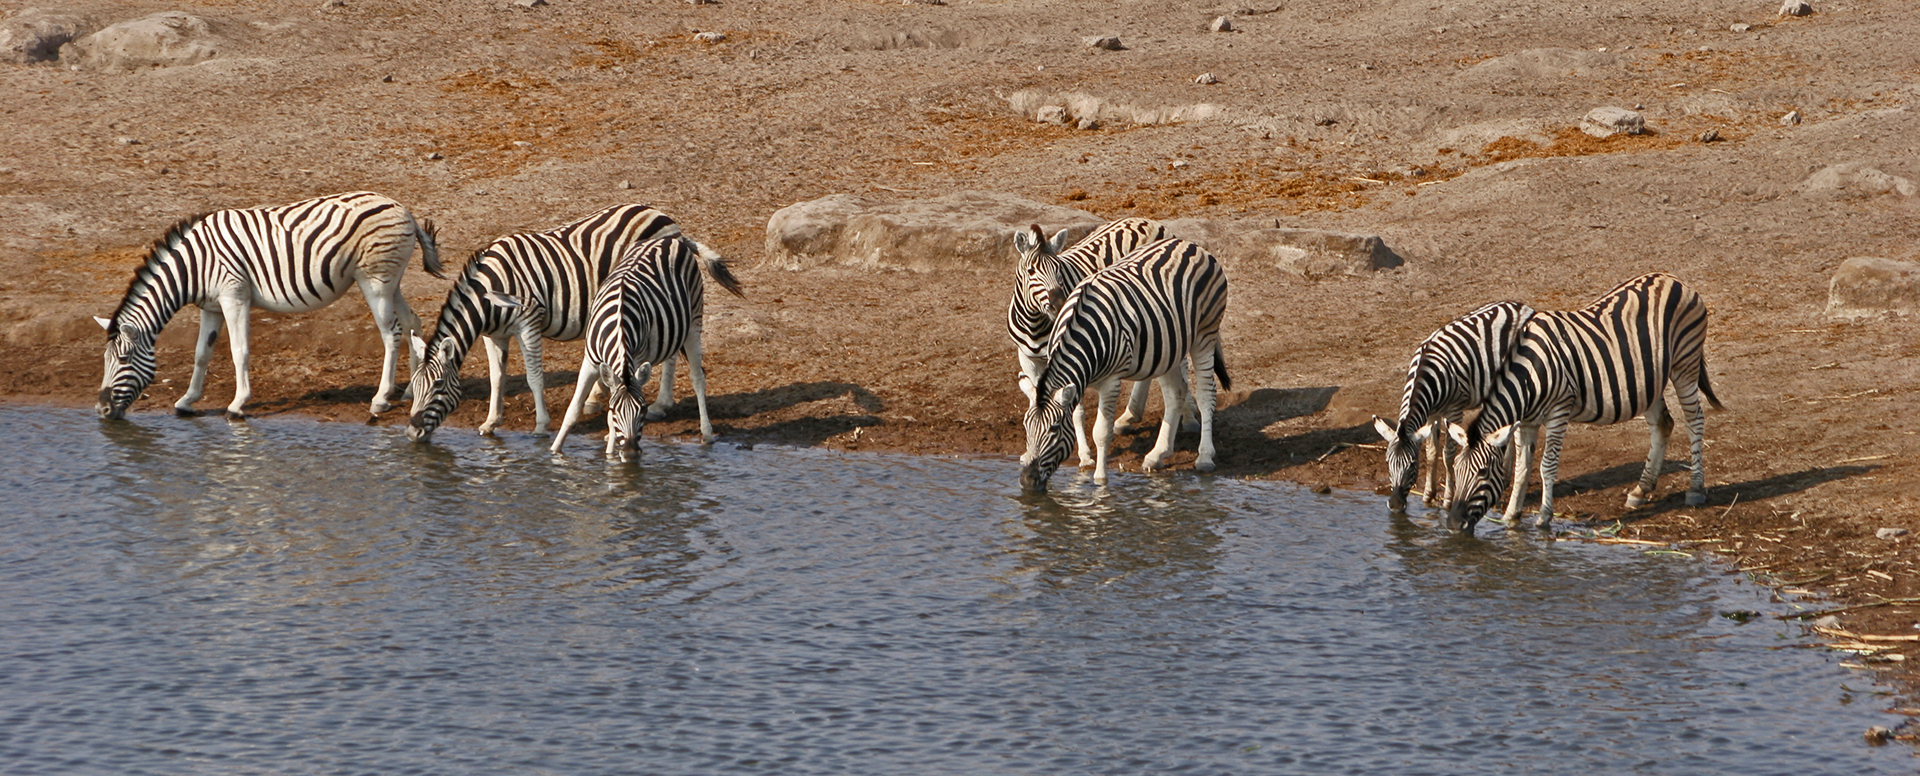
x=1445 y=127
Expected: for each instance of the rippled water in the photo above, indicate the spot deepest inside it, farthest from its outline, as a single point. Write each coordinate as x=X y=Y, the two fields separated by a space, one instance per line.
x=190 y=596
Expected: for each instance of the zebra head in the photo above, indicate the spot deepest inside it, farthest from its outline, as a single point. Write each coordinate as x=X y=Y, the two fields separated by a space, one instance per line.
x=1479 y=475
x=626 y=414
x=129 y=362
x=1049 y=425
x=1403 y=458
x=1039 y=262
x=436 y=386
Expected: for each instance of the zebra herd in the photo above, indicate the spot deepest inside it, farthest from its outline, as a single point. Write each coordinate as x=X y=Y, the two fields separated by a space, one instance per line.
x=1127 y=303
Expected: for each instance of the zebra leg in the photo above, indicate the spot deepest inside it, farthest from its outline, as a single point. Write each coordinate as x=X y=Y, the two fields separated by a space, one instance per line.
x=1204 y=395
x=210 y=324
x=496 y=381
x=381 y=301
x=1080 y=437
x=235 y=311
x=536 y=377
x=663 y=401
x=1173 y=392
x=1433 y=454
x=1696 y=441
x=410 y=323
x=1136 y=407
x=1550 y=466
x=698 y=376
x=1525 y=438
x=1107 y=393
x=1659 y=427
x=589 y=376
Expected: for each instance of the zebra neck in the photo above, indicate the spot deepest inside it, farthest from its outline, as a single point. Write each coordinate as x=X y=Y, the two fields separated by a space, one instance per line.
x=167 y=282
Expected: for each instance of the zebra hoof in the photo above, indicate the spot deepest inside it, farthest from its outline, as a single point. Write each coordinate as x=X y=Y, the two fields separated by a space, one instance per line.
x=1203 y=466
x=1696 y=498
x=236 y=415
x=185 y=412
x=487 y=430
x=653 y=414
x=1634 y=500
x=381 y=406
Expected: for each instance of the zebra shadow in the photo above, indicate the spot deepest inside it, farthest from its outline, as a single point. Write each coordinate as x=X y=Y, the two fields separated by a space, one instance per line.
x=1673 y=493
x=837 y=409
x=1238 y=431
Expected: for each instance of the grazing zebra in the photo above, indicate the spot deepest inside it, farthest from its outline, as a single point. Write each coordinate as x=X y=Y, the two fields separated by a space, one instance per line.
x=528 y=286
x=646 y=312
x=286 y=259
x=1140 y=319
x=1452 y=371
x=1601 y=364
x=1048 y=272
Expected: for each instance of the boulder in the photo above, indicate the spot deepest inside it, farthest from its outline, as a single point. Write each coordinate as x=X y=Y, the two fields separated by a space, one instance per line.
x=1308 y=254
x=964 y=230
x=1867 y=287
x=166 y=39
x=1610 y=121
x=36 y=35
x=1855 y=179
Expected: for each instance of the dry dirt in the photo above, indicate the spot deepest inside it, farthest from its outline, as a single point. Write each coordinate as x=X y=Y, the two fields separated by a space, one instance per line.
x=1412 y=120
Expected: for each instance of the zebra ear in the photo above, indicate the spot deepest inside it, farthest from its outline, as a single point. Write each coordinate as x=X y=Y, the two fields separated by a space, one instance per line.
x=1386 y=429
x=418 y=349
x=1421 y=435
x=1023 y=242
x=446 y=350
x=1458 y=432
x=507 y=301
x=1063 y=395
x=1058 y=243
x=1500 y=436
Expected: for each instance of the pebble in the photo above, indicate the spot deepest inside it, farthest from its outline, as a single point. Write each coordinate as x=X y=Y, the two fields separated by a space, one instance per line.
x=1792 y=118
x=1051 y=114
x=1610 y=121
x=1796 y=8
x=1206 y=78
x=626 y=185
x=710 y=37
x=1890 y=534
x=1741 y=27
x=1829 y=621
x=1106 y=42
x=434 y=156
x=529 y=3
x=1221 y=24
x=522 y=144
x=1710 y=136
x=129 y=141
x=1088 y=124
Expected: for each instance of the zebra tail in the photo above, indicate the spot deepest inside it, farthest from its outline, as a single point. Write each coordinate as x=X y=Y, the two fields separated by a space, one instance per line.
x=1220 y=369
x=717 y=268
x=1706 y=387
x=429 y=236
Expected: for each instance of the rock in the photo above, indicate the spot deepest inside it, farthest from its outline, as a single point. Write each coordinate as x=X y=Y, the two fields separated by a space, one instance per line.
x=1610 y=121
x=36 y=35
x=1855 y=179
x=1829 y=621
x=1710 y=136
x=624 y=185
x=166 y=39
x=1206 y=78
x=710 y=37
x=1889 y=534
x=330 y=6
x=1312 y=254
x=529 y=3
x=1221 y=24
x=1741 y=27
x=1087 y=124
x=1878 y=735
x=434 y=156
x=1792 y=118
x=1796 y=8
x=1051 y=114
x=965 y=230
x=1083 y=105
x=1104 y=42
x=1867 y=287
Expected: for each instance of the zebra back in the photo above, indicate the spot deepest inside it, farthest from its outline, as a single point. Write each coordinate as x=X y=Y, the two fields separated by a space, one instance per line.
x=1047 y=277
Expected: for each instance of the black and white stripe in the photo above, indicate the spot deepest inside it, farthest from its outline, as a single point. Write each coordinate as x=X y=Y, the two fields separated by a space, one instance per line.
x=530 y=286
x=1143 y=318
x=286 y=259
x=1048 y=272
x=1451 y=372
x=1601 y=364
x=649 y=310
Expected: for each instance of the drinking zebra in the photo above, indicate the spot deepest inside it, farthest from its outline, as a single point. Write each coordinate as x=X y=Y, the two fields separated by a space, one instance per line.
x=1142 y=318
x=648 y=311
x=1452 y=371
x=285 y=259
x=1048 y=272
x=528 y=286
x=1601 y=364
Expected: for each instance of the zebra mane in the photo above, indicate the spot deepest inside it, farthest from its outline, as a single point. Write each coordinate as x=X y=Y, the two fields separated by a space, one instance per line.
x=144 y=273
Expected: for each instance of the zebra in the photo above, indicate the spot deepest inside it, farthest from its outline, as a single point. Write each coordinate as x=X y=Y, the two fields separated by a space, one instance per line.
x=1601 y=364
x=648 y=310
x=285 y=259
x=1140 y=319
x=530 y=286
x=1452 y=371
